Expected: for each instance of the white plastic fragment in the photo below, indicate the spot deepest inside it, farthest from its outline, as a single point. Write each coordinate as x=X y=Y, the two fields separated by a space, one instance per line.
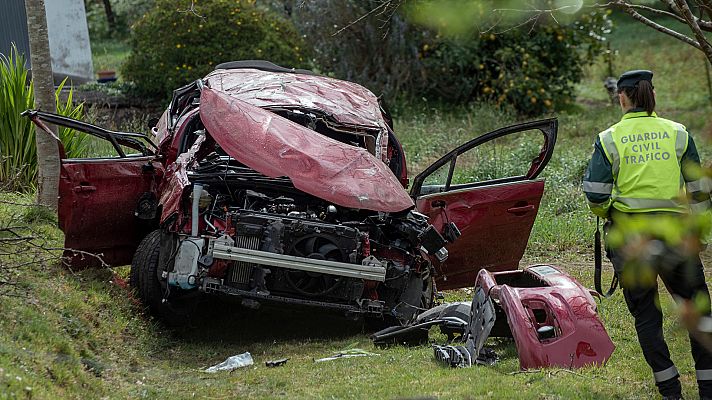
x=233 y=362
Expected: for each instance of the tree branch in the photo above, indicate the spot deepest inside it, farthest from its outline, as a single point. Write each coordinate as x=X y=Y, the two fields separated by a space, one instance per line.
x=622 y=4
x=626 y=7
x=692 y=22
x=16 y=239
x=383 y=5
x=657 y=11
x=191 y=10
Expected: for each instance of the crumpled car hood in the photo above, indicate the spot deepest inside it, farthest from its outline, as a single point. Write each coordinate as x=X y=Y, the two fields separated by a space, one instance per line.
x=275 y=146
x=347 y=102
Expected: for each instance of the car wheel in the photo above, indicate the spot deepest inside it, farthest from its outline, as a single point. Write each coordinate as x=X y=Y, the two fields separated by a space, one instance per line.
x=416 y=296
x=144 y=277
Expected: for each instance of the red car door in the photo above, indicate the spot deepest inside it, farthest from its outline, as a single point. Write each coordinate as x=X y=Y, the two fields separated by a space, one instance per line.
x=489 y=188
x=106 y=204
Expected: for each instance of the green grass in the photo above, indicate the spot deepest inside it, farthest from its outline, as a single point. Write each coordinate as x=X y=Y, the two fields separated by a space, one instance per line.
x=79 y=335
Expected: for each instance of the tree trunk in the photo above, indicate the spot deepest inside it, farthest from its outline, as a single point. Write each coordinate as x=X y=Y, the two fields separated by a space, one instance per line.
x=43 y=82
x=110 y=18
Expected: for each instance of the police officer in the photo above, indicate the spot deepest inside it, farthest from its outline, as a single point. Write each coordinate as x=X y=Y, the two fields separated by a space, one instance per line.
x=638 y=171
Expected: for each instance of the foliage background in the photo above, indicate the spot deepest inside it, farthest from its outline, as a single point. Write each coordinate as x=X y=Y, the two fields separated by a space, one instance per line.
x=417 y=51
x=126 y=13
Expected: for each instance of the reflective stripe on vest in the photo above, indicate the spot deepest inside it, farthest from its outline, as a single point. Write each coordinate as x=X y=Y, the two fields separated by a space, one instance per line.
x=647 y=203
x=609 y=146
x=704 y=374
x=700 y=207
x=645 y=153
x=680 y=143
x=700 y=185
x=597 y=187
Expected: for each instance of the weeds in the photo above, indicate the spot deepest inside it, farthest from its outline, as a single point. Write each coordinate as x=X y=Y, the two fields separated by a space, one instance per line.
x=22 y=249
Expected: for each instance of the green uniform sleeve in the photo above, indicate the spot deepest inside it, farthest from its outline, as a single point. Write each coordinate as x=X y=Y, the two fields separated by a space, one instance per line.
x=696 y=183
x=698 y=187
x=598 y=181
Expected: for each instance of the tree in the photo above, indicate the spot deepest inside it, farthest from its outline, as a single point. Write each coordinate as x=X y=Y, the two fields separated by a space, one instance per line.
x=695 y=14
x=110 y=17
x=43 y=82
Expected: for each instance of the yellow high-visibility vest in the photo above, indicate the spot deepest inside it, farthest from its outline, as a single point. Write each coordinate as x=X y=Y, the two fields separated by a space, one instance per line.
x=645 y=154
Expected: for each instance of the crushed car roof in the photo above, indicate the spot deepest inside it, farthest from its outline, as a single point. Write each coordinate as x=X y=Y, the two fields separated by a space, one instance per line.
x=346 y=102
x=346 y=175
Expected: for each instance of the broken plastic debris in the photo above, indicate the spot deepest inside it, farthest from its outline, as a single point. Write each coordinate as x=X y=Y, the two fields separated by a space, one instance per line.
x=276 y=363
x=347 y=354
x=233 y=362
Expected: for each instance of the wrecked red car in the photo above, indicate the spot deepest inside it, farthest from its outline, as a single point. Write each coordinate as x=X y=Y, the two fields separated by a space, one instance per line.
x=271 y=185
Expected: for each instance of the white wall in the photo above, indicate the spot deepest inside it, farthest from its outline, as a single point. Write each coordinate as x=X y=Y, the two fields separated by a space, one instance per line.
x=69 y=39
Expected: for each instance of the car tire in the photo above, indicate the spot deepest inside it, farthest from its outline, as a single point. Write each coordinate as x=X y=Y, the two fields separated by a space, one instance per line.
x=417 y=295
x=144 y=277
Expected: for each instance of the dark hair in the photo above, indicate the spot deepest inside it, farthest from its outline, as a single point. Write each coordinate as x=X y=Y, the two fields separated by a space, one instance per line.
x=641 y=95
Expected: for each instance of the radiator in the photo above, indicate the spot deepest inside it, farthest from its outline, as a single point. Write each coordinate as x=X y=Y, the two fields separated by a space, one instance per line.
x=241 y=272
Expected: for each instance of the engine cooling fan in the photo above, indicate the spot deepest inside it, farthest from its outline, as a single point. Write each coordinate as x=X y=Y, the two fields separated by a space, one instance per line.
x=319 y=247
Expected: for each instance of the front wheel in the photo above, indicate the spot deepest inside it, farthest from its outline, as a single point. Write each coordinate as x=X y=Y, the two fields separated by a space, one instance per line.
x=405 y=301
x=165 y=303
x=417 y=297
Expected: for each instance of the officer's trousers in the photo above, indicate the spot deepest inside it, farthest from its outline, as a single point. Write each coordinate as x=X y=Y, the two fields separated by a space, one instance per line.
x=685 y=280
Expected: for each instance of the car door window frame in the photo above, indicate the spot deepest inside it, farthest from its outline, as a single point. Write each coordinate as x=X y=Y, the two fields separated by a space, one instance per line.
x=548 y=128
x=136 y=141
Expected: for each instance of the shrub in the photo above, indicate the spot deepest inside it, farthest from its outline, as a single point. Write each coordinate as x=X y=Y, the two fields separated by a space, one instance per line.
x=18 y=153
x=532 y=70
x=172 y=45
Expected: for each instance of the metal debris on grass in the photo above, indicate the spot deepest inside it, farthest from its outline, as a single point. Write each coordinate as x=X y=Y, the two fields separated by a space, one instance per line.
x=347 y=354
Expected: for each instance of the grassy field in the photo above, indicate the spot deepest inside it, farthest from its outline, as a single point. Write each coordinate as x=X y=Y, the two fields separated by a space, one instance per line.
x=80 y=335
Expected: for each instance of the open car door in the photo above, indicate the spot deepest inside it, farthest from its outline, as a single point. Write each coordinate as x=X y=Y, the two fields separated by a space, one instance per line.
x=489 y=188
x=106 y=204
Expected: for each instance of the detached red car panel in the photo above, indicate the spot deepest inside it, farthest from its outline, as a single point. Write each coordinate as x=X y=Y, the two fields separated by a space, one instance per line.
x=273 y=185
x=551 y=317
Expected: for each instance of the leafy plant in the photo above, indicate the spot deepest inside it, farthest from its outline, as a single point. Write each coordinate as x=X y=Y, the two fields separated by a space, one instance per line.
x=18 y=154
x=174 y=43
x=531 y=69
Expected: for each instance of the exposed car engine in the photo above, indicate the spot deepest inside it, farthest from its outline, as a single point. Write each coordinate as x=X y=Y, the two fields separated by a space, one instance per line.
x=260 y=239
